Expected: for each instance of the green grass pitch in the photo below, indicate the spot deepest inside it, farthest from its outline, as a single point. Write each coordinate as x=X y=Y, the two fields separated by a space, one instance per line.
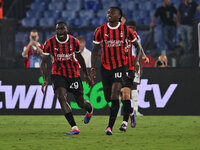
x=48 y=133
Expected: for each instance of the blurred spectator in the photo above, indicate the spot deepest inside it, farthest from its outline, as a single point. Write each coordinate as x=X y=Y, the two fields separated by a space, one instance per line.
x=1 y=9
x=32 y=51
x=85 y=52
x=185 y=19
x=166 y=14
x=123 y=19
x=161 y=61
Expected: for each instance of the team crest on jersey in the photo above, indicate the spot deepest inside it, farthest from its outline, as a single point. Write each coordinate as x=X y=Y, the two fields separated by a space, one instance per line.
x=121 y=34
x=107 y=35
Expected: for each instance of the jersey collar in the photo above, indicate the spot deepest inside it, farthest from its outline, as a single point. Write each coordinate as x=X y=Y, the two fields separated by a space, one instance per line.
x=63 y=41
x=113 y=28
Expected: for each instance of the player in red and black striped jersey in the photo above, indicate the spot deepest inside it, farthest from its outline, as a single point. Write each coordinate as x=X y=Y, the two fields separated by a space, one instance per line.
x=65 y=75
x=111 y=37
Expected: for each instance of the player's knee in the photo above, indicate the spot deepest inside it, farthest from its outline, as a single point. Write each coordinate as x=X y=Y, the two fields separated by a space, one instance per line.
x=80 y=104
x=126 y=94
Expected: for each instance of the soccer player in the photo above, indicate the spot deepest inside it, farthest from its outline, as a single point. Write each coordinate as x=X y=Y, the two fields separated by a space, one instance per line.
x=111 y=37
x=65 y=74
x=132 y=79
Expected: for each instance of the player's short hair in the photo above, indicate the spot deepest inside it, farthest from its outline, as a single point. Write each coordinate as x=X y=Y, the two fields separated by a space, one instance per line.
x=34 y=30
x=62 y=22
x=119 y=9
x=81 y=38
x=131 y=23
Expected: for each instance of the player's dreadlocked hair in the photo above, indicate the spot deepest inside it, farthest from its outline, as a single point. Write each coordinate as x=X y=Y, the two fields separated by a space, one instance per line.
x=120 y=11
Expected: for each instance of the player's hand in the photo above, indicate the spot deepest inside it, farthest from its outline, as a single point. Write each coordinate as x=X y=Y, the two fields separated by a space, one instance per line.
x=35 y=43
x=93 y=75
x=137 y=66
x=43 y=86
x=146 y=59
x=88 y=80
x=152 y=25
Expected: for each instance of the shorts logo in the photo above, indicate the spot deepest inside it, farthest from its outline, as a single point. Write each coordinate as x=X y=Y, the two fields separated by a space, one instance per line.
x=118 y=75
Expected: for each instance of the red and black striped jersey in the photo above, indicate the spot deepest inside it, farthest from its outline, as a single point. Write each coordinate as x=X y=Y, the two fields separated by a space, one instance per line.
x=113 y=44
x=131 y=57
x=64 y=62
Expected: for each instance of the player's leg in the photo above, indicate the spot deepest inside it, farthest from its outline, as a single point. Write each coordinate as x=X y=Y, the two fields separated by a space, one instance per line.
x=82 y=103
x=134 y=94
x=127 y=110
x=107 y=94
x=59 y=84
x=60 y=93
x=75 y=86
x=115 y=91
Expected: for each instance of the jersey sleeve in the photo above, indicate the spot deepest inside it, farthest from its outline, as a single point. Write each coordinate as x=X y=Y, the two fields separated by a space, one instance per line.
x=131 y=36
x=46 y=48
x=77 y=47
x=97 y=36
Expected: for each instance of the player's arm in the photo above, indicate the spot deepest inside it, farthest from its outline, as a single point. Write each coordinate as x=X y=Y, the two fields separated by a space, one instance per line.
x=81 y=61
x=26 y=49
x=94 y=60
x=138 y=49
x=43 y=68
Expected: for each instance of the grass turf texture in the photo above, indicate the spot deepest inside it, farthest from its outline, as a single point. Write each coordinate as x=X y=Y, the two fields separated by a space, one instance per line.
x=48 y=133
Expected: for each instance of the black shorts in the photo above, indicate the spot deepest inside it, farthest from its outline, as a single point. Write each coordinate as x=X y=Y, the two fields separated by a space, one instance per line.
x=111 y=76
x=72 y=85
x=128 y=79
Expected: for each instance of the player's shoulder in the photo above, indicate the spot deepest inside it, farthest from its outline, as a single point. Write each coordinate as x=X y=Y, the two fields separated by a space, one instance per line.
x=48 y=40
x=99 y=27
x=73 y=38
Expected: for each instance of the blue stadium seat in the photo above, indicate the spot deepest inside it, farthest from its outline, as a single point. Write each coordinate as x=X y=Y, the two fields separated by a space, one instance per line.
x=50 y=34
x=74 y=1
x=51 y=13
x=147 y=20
x=131 y=5
x=34 y=14
x=86 y=14
x=101 y=13
x=43 y=1
x=82 y=22
x=110 y=1
x=47 y=22
x=68 y=21
x=68 y=14
x=98 y=21
x=108 y=4
x=29 y=22
x=148 y=5
x=56 y=6
x=73 y=6
x=37 y=6
x=92 y=5
x=56 y=1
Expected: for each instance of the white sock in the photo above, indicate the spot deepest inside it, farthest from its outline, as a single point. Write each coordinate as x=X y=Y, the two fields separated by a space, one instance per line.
x=126 y=123
x=75 y=127
x=135 y=99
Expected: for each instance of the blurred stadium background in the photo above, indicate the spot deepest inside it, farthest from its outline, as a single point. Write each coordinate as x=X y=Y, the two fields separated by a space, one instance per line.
x=83 y=16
